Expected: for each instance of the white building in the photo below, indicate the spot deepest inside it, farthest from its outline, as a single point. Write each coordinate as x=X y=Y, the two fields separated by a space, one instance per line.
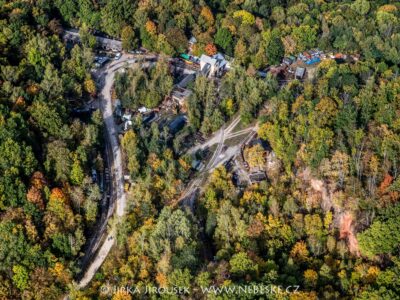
x=213 y=66
x=208 y=65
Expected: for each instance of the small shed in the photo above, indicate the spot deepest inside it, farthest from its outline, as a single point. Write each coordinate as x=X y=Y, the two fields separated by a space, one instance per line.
x=287 y=60
x=192 y=40
x=143 y=109
x=127 y=116
x=300 y=72
x=262 y=74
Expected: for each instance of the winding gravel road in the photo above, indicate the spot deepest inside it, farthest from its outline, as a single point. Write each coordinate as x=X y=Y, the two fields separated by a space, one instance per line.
x=118 y=198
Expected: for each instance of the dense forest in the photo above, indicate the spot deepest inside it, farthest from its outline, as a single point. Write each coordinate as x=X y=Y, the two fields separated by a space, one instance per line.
x=327 y=219
x=48 y=201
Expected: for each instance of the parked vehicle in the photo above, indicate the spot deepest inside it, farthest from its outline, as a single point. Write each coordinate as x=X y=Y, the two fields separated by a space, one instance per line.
x=118 y=56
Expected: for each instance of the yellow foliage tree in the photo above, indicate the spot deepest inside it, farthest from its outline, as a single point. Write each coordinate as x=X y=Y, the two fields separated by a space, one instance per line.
x=372 y=274
x=246 y=17
x=299 y=252
x=300 y=295
x=252 y=196
x=154 y=161
x=255 y=156
x=207 y=14
x=122 y=295
x=162 y=280
x=184 y=164
x=33 y=89
x=240 y=51
x=151 y=27
x=388 y=8
x=229 y=106
x=90 y=86
x=310 y=277
x=60 y=272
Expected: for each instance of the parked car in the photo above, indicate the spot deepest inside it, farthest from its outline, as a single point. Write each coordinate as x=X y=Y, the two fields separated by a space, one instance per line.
x=118 y=56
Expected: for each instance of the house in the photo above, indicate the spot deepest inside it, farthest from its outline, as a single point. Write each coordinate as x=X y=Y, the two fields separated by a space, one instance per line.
x=307 y=55
x=300 y=72
x=213 y=66
x=187 y=80
x=208 y=65
x=180 y=95
x=256 y=177
x=148 y=117
x=109 y=44
x=99 y=61
x=127 y=124
x=197 y=165
x=177 y=124
x=340 y=58
x=278 y=71
x=223 y=64
x=206 y=70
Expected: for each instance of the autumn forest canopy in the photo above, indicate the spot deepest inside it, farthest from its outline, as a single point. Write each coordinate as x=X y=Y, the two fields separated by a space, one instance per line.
x=327 y=216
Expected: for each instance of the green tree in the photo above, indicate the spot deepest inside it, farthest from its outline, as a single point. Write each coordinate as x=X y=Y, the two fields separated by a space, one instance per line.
x=128 y=38
x=88 y=40
x=361 y=6
x=305 y=37
x=20 y=277
x=180 y=278
x=177 y=39
x=77 y=175
x=223 y=39
x=274 y=47
x=58 y=160
x=129 y=144
x=382 y=237
x=241 y=264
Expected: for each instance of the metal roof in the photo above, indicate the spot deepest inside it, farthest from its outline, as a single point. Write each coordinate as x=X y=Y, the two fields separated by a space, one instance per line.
x=300 y=72
x=208 y=60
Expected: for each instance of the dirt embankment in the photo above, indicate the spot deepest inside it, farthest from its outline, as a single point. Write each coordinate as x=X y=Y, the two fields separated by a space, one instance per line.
x=346 y=229
x=318 y=189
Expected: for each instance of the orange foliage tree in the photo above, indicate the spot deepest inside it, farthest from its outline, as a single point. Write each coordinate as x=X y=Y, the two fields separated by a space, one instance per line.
x=57 y=195
x=210 y=49
x=151 y=27
x=34 y=196
x=33 y=89
x=38 y=180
